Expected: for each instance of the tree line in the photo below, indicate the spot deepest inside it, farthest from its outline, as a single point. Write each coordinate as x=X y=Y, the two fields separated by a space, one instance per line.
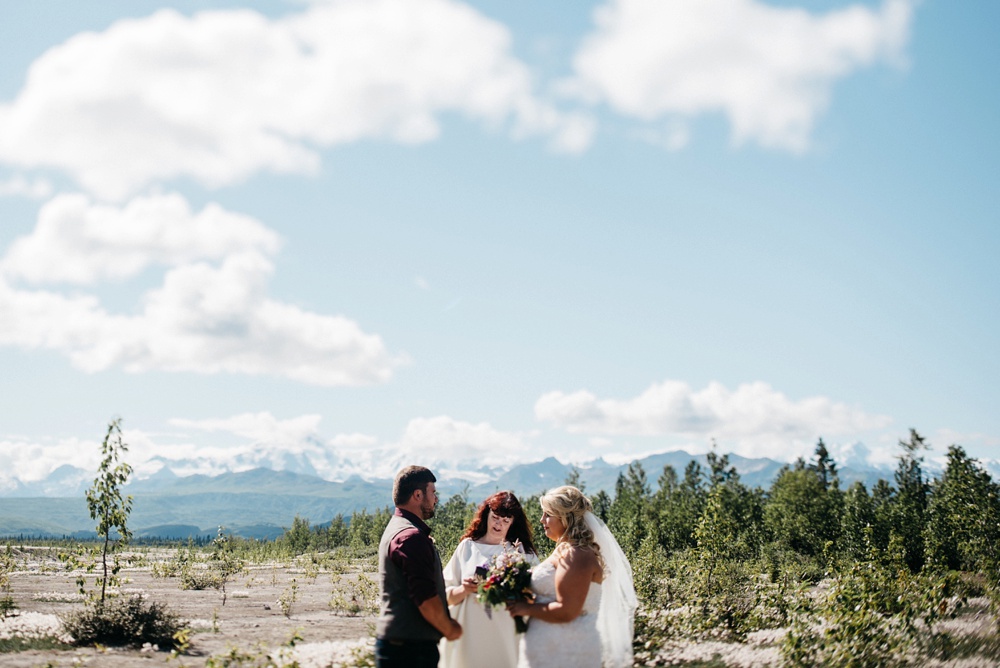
x=948 y=523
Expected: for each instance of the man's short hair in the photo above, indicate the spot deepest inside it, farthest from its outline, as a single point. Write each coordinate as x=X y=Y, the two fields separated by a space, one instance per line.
x=409 y=480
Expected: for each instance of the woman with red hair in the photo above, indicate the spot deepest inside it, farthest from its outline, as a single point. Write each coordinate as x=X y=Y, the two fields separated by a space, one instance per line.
x=488 y=640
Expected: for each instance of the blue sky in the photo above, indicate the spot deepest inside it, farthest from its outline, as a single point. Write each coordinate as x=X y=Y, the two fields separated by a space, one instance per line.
x=367 y=232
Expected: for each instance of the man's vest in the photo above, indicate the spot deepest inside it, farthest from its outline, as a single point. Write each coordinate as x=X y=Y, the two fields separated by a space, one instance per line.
x=399 y=618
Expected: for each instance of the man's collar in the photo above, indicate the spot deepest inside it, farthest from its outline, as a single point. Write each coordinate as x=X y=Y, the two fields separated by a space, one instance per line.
x=417 y=522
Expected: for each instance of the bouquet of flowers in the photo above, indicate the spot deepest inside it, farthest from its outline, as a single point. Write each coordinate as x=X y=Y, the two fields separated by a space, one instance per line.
x=505 y=580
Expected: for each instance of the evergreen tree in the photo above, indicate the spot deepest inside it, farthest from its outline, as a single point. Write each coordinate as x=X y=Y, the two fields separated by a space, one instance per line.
x=963 y=517
x=804 y=511
x=667 y=483
x=799 y=513
x=678 y=507
x=365 y=529
x=602 y=504
x=730 y=526
x=299 y=538
x=832 y=498
x=825 y=467
x=450 y=521
x=719 y=470
x=337 y=531
x=857 y=520
x=883 y=504
x=629 y=516
x=910 y=507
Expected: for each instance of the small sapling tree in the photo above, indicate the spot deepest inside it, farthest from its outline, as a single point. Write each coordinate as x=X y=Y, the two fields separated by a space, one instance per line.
x=7 y=566
x=107 y=504
x=226 y=563
x=127 y=620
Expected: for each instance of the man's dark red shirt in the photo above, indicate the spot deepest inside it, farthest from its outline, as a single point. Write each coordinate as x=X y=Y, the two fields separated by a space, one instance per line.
x=412 y=550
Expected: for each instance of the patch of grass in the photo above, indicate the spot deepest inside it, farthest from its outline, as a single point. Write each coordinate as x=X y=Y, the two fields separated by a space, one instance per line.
x=18 y=644
x=712 y=663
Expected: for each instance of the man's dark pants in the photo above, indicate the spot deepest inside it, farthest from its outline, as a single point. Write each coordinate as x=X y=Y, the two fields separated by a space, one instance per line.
x=406 y=653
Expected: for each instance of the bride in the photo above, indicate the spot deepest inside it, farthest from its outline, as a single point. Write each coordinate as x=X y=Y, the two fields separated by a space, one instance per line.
x=585 y=600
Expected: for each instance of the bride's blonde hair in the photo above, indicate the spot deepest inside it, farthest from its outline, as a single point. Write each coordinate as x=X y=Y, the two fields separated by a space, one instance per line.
x=569 y=505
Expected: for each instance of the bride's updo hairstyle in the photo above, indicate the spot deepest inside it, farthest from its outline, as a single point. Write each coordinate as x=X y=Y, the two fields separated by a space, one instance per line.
x=569 y=505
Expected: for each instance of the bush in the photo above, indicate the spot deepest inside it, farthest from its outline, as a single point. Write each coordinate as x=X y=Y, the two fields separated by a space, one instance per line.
x=876 y=614
x=687 y=596
x=7 y=606
x=199 y=579
x=357 y=597
x=123 y=621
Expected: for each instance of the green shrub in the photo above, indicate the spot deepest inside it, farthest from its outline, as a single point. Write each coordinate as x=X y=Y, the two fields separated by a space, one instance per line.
x=7 y=606
x=875 y=614
x=165 y=569
x=200 y=578
x=7 y=566
x=357 y=597
x=689 y=597
x=123 y=621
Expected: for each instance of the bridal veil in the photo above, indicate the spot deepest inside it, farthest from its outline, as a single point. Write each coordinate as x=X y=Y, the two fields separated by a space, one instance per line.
x=615 y=620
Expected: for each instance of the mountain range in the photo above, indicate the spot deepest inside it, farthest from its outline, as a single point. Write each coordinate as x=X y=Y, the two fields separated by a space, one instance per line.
x=261 y=501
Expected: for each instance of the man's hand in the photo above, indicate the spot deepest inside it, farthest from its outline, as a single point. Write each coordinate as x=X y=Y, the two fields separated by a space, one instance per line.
x=456 y=631
x=433 y=611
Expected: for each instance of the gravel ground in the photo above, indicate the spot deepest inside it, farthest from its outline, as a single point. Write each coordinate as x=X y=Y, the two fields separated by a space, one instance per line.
x=251 y=616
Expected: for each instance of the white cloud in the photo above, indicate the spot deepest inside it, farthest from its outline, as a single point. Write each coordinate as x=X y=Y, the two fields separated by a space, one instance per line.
x=258 y=427
x=673 y=137
x=223 y=94
x=353 y=442
x=28 y=460
x=971 y=442
x=204 y=318
x=452 y=448
x=76 y=241
x=754 y=412
x=19 y=186
x=768 y=69
x=266 y=441
x=460 y=444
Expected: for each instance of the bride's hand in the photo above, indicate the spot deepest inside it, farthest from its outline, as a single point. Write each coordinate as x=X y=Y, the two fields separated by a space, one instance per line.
x=519 y=609
x=460 y=592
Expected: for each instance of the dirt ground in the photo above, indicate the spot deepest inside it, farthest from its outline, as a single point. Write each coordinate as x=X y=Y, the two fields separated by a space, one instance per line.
x=251 y=615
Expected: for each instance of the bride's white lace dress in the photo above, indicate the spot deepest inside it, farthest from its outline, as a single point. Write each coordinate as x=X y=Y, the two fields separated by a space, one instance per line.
x=576 y=643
